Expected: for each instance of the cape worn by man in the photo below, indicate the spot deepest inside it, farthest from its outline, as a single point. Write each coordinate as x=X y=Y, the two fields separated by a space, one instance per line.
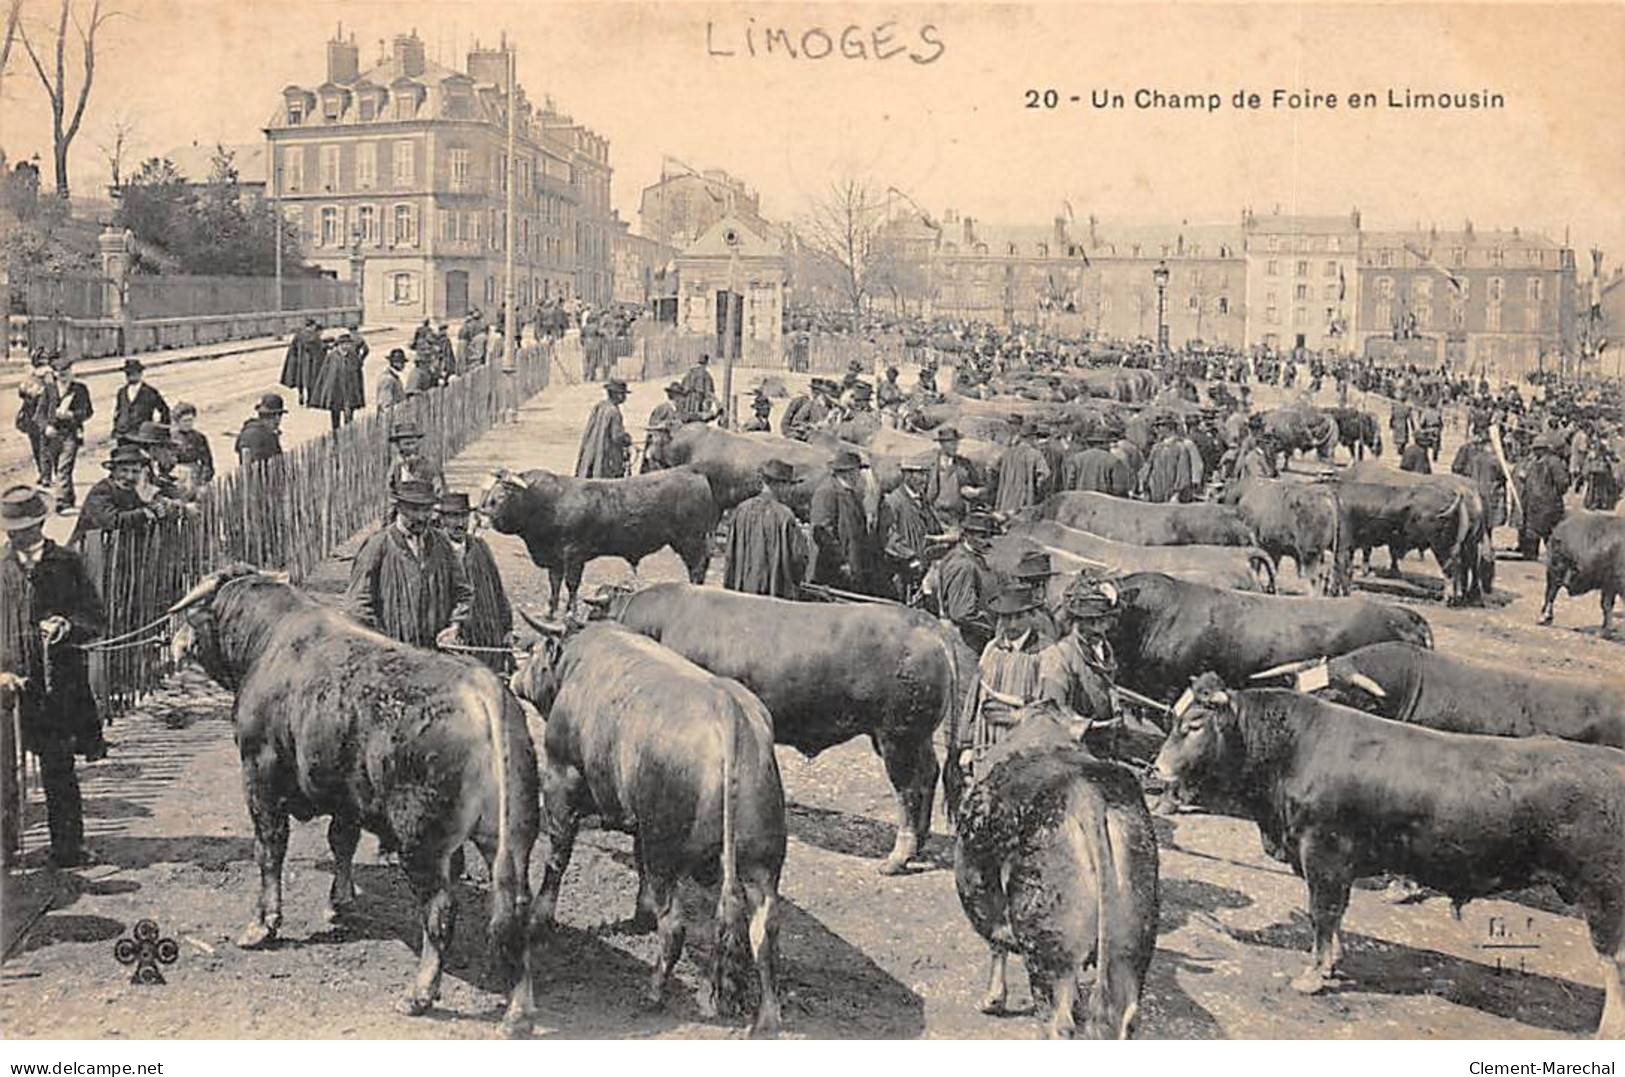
x=407 y=580
x=490 y=616
x=767 y=550
x=604 y=442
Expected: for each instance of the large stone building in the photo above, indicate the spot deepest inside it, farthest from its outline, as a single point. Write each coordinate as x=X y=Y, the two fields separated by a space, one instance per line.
x=1302 y=279
x=641 y=264
x=1496 y=301
x=400 y=172
x=685 y=204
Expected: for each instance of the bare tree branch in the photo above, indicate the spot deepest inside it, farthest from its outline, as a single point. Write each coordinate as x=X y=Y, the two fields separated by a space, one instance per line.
x=62 y=135
x=14 y=14
x=843 y=228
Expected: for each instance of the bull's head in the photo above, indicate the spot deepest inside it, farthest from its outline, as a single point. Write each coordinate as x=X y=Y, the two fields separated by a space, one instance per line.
x=1204 y=725
x=608 y=602
x=1315 y=674
x=197 y=634
x=499 y=491
x=535 y=679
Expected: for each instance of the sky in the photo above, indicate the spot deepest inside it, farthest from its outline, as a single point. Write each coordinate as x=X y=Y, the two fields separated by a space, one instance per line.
x=954 y=132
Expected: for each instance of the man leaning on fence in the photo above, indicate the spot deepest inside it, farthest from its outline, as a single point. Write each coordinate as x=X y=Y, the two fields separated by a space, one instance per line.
x=260 y=438
x=116 y=502
x=49 y=609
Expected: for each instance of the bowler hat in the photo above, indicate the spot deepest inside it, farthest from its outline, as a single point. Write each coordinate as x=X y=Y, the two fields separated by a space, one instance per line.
x=150 y=433
x=676 y=389
x=615 y=385
x=778 y=471
x=414 y=492
x=396 y=357
x=1013 y=600
x=947 y=433
x=125 y=454
x=1034 y=564
x=980 y=523
x=22 y=507
x=270 y=404
x=61 y=360
x=406 y=428
x=133 y=366
x=861 y=390
x=847 y=460
x=454 y=504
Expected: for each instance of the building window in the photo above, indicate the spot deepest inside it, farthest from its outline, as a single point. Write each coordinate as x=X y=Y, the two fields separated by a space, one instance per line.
x=406 y=232
x=1272 y=316
x=459 y=168
x=1458 y=256
x=1497 y=257
x=366 y=165
x=329 y=234
x=1385 y=258
x=1272 y=268
x=405 y=105
x=403 y=288
x=330 y=168
x=1492 y=317
x=1331 y=291
x=448 y=227
x=330 y=108
x=1303 y=269
x=369 y=108
x=1534 y=289
x=1497 y=289
x=1385 y=287
x=1424 y=314
x=366 y=222
x=1331 y=269
x=293 y=168
x=405 y=165
x=1422 y=287
x=1301 y=292
x=1194 y=303
x=1224 y=305
x=296 y=113
x=1537 y=258
x=1531 y=317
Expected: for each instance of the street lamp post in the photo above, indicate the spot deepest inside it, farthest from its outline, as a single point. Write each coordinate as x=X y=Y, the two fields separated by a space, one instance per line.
x=1160 y=276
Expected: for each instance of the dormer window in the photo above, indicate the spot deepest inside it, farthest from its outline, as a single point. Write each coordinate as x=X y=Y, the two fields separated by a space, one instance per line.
x=296 y=113
x=369 y=109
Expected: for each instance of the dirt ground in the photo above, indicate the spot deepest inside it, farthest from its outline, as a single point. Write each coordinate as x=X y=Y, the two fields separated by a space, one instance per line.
x=863 y=956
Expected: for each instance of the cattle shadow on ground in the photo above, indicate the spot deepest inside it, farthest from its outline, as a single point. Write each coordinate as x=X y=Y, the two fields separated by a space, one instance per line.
x=1595 y=632
x=58 y=927
x=209 y=852
x=840 y=832
x=1376 y=966
x=1167 y=1011
x=1183 y=901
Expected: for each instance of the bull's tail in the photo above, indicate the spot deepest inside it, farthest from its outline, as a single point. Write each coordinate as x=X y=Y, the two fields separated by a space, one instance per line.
x=948 y=720
x=510 y=868
x=731 y=920
x=1263 y=569
x=1341 y=570
x=1109 y=1013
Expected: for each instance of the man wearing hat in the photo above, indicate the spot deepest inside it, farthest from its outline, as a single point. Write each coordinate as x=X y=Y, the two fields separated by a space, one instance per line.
x=1033 y=573
x=1415 y=458
x=761 y=411
x=1079 y=671
x=963 y=583
x=49 y=608
x=37 y=396
x=1023 y=473
x=390 y=389
x=260 y=438
x=1544 y=480
x=699 y=392
x=1095 y=468
x=64 y=431
x=136 y=401
x=407 y=581
x=841 y=528
x=490 y=617
x=1477 y=461
x=889 y=395
x=904 y=528
x=406 y=441
x=303 y=360
x=664 y=420
x=954 y=480
x=926 y=382
x=1167 y=475
x=604 y=443
x=806 y=411
x=767 y=549
x=115 y=503
x=425 y=373
x=1008 y=679
x=156 y=441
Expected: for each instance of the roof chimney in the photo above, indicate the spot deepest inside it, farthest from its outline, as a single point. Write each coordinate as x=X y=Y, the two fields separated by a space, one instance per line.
x=409 y=54
x=343 y=59
x=970 y=232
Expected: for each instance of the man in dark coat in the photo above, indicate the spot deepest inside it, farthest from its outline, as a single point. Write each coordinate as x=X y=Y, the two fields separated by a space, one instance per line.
x=49 y=609
x=954 y=481
x=889 y=395
x=136 y=402
x=425 y=373
x=1476 y=460
x=410 y=463
x=807 y=411
x=663 y=421
x=1024 y=473
x=904 y=528
x=490 y=617
x=65 y=433
x=1167 y=475
x=115 y=503
x=962 y=583
x=1096 y=469
x=840 y=527
x=260 y=440
x=407 y=581
x=604 y=443
x=699 y=391
x=1415 y=459
x=423 y=338
x=767 y=550
x=390 y=389
x=191 y=450
x=761 y=412
x=303 y=359
x=1545 y=480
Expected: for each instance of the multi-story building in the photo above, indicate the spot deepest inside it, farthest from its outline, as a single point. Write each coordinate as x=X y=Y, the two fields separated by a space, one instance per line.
x=1493 y=301
x=640 y=264
x=590 y=174
x=683 y=205
x=1302 y=279
x=399 y=172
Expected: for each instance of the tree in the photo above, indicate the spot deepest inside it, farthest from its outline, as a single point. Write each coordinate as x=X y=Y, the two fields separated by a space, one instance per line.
x=116 y=146
x=212 y=230
x=14 y=14
x=64 y=127
x=37 y=236
x=843 y=228
x=156 y=205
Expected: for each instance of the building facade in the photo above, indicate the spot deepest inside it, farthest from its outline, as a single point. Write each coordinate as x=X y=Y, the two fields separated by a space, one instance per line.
x=640 y=264
x=399 y=173
x=1302 y=279
x=685 y=205
x=732 y=254
x=1502 y=302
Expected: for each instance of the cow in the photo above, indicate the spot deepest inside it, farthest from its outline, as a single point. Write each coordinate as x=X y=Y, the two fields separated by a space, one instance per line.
x=1349 y=795
x=1586 y=553
x=1302 y=521
x=732 y=463
x=1476 y=554
x=683 y=761
x=1056 y=859
x=1412 y=684
x=1240 y=568
x=566 y=522
x=827 y=673
x=1169 y=630
x=1142 y=524
x=1405 y=515
x=1357 y=431
x=1301 y=429
x=424 y=750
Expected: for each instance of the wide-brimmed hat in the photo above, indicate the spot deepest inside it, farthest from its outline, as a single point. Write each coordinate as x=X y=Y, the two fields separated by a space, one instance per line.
x=406 y=428
x=980 y=523
x=1092 y=600
x=824 y=385
x=847 y=460
x=22 y=507
x=676 y=389
x=414 y=492
x=1034 y=564
x=615 y=385
x=271 y=404
x=778 y=471
x=135 y=366
x=861 y=390
x=125 y=454
x=1014 y=600
x=150 y=433
x=396 y=355
x=947 y=433
x=454 y=504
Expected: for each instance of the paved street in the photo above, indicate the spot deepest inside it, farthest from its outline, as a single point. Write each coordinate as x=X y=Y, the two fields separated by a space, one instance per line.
x=224 y=390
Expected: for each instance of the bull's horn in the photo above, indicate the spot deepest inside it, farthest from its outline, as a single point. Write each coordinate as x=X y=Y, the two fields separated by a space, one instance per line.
x=1286 y=668
x=600 y=601
x=546 y=628
x=1366 y=684
x=276 y=577
x=204 y=591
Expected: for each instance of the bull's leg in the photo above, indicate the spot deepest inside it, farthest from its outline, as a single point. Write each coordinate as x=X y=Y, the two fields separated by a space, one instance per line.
x=926 y=772
x=998 y=987
x=1062 y=1023
x=561 y=842
x=430 y=873
x=902 y=766
x=1326 y=871
x=1612 y=1025
x=1607 y=611
x=697 y=559
x=343 y=835
x=572 y=580
x=555 y=579
x=270 y=818
x=1554 y=583
x=643 y=914
x=762 y=892
x=669 y=915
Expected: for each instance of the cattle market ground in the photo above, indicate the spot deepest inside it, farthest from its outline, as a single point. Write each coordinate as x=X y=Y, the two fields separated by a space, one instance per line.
x=862 y=955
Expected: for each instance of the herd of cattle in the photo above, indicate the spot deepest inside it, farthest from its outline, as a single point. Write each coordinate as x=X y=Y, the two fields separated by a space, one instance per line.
x=1327 y=719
